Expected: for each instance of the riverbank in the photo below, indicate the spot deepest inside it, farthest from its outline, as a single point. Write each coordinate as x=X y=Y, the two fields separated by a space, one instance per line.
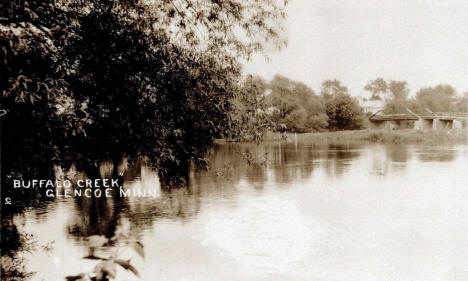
x=433 y=137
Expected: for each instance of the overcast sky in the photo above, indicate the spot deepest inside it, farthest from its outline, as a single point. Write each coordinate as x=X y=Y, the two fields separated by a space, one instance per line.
x=423 y=42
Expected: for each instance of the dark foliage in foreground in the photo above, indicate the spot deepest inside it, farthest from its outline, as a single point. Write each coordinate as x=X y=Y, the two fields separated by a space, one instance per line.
x=84 y=81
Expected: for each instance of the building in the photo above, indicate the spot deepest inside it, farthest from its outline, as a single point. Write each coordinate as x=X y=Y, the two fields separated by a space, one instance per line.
x=371 y=106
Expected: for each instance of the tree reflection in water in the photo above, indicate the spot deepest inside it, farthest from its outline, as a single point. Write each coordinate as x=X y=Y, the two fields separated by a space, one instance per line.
x=233 y=168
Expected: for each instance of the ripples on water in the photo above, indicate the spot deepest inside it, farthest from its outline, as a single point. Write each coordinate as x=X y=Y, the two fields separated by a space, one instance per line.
x=307 y=213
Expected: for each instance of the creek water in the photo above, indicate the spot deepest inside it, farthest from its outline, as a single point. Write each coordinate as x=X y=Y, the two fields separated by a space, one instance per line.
x=277 y=212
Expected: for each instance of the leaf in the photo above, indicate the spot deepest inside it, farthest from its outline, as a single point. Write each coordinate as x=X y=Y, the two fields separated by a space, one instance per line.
x=81 y=277
x=91 y=256
x=139 y=248
x=126 y=264
x=73 y=278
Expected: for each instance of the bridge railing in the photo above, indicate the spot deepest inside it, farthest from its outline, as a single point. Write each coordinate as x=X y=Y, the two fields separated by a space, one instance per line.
x=451 y=114
x=413 y=116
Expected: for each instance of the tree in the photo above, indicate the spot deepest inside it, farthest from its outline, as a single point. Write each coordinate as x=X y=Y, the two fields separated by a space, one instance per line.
x=398 y=89
x=378 y=88
x=439 y=98
x=39 y=112
x=299 y=109
x=250 y=117
x=225 y=29
x=394 y=93
x=331 y=88
x=112 y=78
x=146 y=100
x=461 y=103
x=383 y=90
x=343 y=111
x=397 y=102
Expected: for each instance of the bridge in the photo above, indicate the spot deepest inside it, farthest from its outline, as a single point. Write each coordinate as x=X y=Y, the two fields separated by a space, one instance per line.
x=429 y=120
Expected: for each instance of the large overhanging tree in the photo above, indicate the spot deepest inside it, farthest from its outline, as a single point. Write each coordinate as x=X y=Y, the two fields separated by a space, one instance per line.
x=94 y=79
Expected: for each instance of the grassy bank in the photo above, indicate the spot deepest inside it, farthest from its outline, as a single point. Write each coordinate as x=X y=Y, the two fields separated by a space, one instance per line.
x=434 y=137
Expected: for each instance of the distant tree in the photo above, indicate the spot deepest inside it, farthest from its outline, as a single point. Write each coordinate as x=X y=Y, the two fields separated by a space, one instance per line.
x=461 y=104
x=394 y=106
x=393 y=93
x=383 y=90
x=299 y=109
x=378 y=88
x=344 y=112
x=331 y=88
x=397 y=101
x=439 y=98
x=398 y=89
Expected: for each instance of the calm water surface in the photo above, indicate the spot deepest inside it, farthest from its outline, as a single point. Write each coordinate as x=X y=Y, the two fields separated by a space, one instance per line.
x=280 y=212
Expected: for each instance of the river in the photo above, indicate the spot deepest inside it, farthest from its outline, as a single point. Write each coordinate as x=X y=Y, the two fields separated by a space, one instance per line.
x=354 y=212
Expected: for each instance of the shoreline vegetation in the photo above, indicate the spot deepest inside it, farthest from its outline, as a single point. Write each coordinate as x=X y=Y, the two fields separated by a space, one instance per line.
x=408 y=136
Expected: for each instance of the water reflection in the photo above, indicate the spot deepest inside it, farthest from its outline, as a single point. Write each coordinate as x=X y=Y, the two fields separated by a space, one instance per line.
x=279 y=212
x=436 y=155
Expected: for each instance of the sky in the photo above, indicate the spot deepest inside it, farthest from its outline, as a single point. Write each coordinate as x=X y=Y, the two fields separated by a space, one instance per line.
x=423 y=42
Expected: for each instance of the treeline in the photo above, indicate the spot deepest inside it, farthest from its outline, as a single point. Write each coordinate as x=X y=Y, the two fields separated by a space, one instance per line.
x=285 y=105
x=396 y=97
